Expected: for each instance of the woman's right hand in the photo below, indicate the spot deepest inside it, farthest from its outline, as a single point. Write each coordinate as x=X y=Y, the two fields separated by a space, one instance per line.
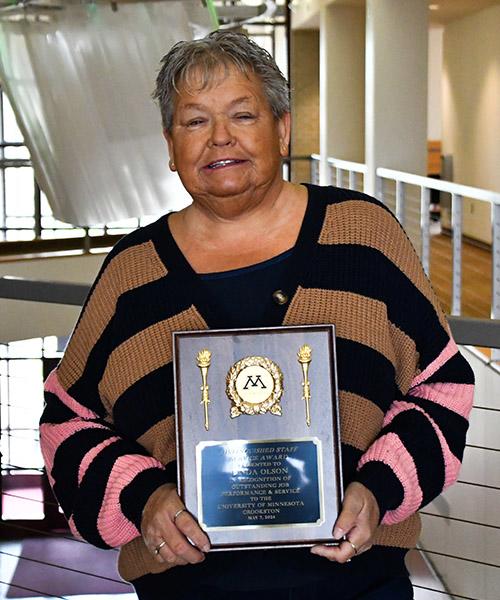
x=185 y=542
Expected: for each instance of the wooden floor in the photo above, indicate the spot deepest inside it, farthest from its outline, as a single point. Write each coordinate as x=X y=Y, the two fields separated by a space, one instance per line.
x=476 y=276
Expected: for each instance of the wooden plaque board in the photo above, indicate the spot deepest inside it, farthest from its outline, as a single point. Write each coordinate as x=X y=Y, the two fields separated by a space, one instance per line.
x=267 y=479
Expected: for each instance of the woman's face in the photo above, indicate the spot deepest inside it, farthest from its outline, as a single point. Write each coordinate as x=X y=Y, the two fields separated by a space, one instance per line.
x=225 y=141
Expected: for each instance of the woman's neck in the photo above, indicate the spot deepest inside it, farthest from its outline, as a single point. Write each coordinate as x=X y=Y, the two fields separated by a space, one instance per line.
x=214 y=239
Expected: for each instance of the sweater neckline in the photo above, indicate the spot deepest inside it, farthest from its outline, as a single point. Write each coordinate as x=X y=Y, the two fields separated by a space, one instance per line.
x=190 y=283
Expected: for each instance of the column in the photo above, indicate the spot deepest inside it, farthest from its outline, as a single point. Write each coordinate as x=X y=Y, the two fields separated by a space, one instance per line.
x=342 y=85
x=396 y=87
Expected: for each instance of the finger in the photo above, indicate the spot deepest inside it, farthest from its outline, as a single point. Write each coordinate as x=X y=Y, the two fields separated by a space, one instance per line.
x=190 y=528
x=166 y=555
x=341 y=553
x=180 y=546
x=346 y=520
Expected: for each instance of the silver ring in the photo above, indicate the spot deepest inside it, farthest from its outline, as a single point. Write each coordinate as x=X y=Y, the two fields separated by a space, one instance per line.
x=178 y=513
x=159 y=547
x=353 y=546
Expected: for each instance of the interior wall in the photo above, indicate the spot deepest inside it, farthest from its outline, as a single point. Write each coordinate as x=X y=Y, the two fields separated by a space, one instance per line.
x=434 y=89
x=305 y=99
x=471 y=109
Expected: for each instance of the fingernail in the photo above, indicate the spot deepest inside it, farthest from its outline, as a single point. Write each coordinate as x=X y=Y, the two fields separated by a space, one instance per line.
x=338 y=533
x=315 y=551
x=206 y=548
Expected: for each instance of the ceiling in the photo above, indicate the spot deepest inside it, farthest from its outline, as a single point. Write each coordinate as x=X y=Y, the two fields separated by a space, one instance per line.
x=447 y=10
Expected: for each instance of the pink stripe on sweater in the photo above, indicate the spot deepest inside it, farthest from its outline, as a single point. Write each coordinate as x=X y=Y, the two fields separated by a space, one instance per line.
x=91 y=454
x=457 y=397
x=451 y=462
x=53 y=435
x=52 y=385
x=450 y=350
x=391 y=451
x=73 y=529
x=114 y=528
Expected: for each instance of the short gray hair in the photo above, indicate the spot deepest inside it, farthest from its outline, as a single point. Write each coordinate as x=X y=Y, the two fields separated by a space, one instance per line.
x=207 y=55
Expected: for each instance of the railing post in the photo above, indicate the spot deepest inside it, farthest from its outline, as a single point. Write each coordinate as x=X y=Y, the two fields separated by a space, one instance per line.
x=314 y=167
x=400 y=202
x=338 y=177
x=425 y=195
x=379 y=188
x=456 y=226
x=495 y=264
x=352 y=180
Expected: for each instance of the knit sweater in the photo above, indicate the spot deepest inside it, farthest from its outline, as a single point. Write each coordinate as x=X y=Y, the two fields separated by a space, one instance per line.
x=108 y=428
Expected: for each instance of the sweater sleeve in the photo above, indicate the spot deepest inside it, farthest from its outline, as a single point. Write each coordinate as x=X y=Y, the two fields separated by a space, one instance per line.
x=419 y=450
x=101 y=479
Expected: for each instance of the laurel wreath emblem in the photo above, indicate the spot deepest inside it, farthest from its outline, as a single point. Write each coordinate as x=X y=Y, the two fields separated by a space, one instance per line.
x=270 y=404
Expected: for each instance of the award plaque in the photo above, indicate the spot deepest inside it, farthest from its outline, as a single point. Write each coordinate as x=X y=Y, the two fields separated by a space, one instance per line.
x=258 y=441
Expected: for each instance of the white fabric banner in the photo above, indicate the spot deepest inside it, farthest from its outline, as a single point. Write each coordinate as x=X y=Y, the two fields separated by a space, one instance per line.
x=80 y=82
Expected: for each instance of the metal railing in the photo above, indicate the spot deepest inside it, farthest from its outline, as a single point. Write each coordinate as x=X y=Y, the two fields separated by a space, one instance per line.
x=458 y=192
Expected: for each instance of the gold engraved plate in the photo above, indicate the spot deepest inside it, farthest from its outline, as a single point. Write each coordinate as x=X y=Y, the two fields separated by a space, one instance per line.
x=254 y=385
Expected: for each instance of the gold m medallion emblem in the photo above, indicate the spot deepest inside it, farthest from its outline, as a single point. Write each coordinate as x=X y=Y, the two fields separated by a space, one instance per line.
x=254 y=385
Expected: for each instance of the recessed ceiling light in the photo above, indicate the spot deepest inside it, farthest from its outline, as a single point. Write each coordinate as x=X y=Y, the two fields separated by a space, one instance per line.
x=433 y=6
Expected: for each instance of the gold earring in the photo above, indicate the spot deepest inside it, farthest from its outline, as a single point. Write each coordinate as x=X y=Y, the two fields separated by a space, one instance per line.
x=172 y=165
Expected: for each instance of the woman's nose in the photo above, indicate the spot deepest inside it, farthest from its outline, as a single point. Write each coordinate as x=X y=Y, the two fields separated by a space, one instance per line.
x=221 y=134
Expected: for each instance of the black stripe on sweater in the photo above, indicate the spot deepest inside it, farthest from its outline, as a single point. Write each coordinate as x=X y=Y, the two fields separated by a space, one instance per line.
x=367 y=272
x=419 y=437
x=145 y=403
x=67 y=460
x=454 y=370
x=55 y=411
x=91 y=492
x=452 y=425
x=355 y=365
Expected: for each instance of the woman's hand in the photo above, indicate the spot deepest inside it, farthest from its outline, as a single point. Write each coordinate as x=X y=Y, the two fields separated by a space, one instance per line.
x=358 y=522
x=169 y=531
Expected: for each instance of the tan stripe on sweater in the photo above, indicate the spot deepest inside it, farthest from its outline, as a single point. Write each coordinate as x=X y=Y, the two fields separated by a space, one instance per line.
x=143 y=353
x=401 y=535
x=360 y=222
x=159 y=440
x=132 y=268
x=350 y=313
x=360 y=420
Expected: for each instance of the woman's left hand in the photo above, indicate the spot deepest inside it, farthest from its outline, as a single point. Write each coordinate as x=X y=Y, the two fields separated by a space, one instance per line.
x=358 y=522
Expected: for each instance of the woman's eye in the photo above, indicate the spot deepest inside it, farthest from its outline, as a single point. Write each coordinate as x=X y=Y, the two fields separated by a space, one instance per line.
x=244 y=116
x=194 y=122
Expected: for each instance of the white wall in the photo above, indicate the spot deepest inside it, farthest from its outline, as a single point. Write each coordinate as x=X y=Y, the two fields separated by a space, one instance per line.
x=434 y=89
x=471 y=109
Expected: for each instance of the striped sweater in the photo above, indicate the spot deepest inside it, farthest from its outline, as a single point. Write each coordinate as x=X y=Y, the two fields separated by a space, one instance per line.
x=108 y=432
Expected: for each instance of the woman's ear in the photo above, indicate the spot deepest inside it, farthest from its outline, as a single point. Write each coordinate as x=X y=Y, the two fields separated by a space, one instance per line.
x=170 y=144
x=284 y=133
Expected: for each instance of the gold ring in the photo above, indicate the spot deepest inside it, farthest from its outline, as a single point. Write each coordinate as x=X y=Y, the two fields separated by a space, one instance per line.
x=178 y=513
x=159 y=547
x=353 y=546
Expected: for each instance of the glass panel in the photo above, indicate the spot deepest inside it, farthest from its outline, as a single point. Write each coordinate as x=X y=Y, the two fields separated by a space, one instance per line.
x=52 y=234
x=17 y=236
x=13 y=152
x=12 y=133
x=44 y=204
x=24 y=349
x=19 y=190
x=20 y=222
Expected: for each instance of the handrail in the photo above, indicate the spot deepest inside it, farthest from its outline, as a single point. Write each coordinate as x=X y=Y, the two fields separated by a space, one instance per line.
x=466 y=331
x=345 y=165
x=439 y=185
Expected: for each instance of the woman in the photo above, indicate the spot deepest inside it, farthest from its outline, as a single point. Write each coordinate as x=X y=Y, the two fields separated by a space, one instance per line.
x=253 y=250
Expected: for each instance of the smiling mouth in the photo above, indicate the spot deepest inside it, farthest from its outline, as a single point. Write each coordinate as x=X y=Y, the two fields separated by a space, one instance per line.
x=218 y=164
